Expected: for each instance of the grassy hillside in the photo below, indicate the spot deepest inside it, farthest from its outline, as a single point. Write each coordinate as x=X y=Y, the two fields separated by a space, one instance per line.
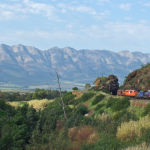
x=138 y=79
x=96 y=120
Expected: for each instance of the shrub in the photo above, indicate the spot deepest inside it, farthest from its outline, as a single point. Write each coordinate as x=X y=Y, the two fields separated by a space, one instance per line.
x=97 y=99
x=106 y=91
x=40 y=103
x=82 y=135
x=101 y=111
x=116 y=116
x=2 y=104
x=95 y=88
x=67 y=97
x=87 y=96
x=103 y=118
x=98 y=107
x=111 y=101
x=106 y=142
x=121 y=104
x=148 y=81
x=82 y=110
x=130 y=130
x=87 y=86
x=146 y=110
x=74 y=88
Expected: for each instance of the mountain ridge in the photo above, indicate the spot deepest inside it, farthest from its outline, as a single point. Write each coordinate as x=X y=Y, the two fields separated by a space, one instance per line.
x=34 y=65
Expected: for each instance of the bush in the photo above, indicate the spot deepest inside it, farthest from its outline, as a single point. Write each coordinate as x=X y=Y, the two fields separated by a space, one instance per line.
x=82 y=110
x=74 y=88
x=106 y=91
x=2 y=104
x=148 y=81
x=132 y=129
x=146 y=110
x=98 y=107
x=106 y=142
x=101 y=111
x=116 y=116
x=111 y=101
x=87 y=96
x=121 y=104
x=97 y=99
x=95 y=88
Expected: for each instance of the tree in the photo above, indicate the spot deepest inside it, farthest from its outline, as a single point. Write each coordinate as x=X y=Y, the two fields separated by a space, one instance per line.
x=62 y=101
x=87 y=86
x=74 y=88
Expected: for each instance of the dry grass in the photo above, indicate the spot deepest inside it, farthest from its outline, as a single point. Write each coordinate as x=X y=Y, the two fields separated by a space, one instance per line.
x=103 y=118
x=130 y=130
x=37 y=104
x=82 y=135
x=138 y=147
x=15 y=104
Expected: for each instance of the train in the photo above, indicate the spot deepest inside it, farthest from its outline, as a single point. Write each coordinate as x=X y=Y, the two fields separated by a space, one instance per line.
x=134 y=94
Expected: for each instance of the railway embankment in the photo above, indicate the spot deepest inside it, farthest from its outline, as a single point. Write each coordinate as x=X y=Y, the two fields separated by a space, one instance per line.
x=139 y=103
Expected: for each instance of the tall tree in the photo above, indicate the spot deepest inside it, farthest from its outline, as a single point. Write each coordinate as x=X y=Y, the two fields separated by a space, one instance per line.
x=62 y=101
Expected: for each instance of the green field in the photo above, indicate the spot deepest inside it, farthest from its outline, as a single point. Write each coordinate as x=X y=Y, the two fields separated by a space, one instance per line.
x=65 y=85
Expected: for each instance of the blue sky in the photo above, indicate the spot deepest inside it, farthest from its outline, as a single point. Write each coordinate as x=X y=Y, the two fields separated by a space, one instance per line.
x=89 y=24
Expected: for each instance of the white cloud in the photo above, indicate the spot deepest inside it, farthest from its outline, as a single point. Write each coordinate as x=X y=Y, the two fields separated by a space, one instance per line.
x=83 y=9
x=27 y=36
x=20 y=10
x=13 y=0
x=147 y=4
x=102 y=15
x=127 y=18
x=125 y=6
x=41 y=8
x=75 y=2
x=119 y=31
x=101 y=2
x=70 y=25
x=63 y=10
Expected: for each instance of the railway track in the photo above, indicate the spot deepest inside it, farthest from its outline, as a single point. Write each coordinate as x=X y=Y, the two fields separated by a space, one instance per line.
x=140 y=100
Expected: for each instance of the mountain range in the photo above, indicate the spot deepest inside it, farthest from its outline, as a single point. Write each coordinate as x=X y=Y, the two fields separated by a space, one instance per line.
x=27 y=65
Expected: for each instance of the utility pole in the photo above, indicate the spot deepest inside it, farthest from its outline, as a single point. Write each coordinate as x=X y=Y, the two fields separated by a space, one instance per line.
x=102 y=73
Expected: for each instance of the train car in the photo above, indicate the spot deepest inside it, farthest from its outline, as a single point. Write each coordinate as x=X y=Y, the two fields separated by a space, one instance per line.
x=142 y=94
x=131 y=93
x=120 y=92
x=149 y=93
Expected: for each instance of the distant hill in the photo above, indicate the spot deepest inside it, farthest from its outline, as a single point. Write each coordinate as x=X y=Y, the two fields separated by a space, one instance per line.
x=26 y=65
x=138 y=79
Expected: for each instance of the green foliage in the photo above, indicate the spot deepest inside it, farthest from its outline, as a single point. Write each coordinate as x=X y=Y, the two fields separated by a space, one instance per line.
x=74 y=120
x=106 y=142
x=99 y=106
x=87 y=96
x=116 y=115
x=97 y=99
x=148 y=81
x=121 y=104
x=82 y=110
x=2 y=104
x=104 y=79
x=87 y=86
x=111 y=101
x=95 y=88
x=98 y=78
x=146 y=110
x=3 y=114
x=101 y=111
x=67 y=97
x=74 y=88
x=106 y=91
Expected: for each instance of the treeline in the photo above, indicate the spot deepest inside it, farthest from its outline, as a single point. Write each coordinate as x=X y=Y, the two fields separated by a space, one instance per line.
x=38 y=94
